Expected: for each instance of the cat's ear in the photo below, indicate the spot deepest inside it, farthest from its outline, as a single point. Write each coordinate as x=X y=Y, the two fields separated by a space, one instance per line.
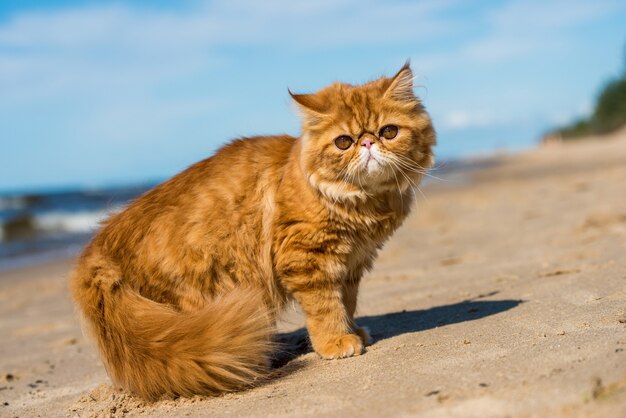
x=312 y=106
x=400 y=87
x=310 y=103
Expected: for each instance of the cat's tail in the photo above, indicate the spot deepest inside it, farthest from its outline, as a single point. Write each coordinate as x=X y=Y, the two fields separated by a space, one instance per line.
x=154 y=351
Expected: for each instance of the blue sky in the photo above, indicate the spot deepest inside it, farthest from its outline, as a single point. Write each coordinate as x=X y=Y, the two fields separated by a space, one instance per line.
x=95 y=93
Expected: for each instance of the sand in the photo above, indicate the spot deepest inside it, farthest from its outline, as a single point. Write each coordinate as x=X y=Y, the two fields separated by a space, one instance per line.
x=504 y=294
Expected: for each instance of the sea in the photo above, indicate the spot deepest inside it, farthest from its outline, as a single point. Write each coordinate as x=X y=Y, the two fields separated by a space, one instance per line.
x=43 y=226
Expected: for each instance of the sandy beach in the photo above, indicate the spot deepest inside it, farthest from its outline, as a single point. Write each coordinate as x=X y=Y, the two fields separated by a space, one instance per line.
x=503 y=295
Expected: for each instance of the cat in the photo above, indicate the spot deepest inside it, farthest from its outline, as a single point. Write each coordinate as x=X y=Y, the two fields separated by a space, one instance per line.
x=182 y=288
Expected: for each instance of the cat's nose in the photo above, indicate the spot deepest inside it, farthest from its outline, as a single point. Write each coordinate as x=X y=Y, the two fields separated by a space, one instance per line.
x=367 y=143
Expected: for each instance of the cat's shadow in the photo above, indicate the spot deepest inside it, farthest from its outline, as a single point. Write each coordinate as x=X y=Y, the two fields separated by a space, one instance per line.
x=296 y=343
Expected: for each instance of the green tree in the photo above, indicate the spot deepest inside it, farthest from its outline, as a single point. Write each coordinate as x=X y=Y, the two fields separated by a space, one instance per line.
x=609 y=112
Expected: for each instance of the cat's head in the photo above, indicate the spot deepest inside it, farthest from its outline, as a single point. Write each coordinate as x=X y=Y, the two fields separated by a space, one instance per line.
x=365 y=139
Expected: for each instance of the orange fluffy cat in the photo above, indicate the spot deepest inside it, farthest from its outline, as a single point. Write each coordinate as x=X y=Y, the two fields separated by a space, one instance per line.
x=182 y=288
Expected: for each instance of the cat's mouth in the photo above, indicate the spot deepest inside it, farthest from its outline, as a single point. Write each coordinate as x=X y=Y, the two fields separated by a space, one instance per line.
x=372 y=164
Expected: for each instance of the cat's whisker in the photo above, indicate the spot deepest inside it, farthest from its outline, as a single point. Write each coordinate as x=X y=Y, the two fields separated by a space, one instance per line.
x=411 y=182
x=409 y=164
x=357 y=174
x=399 y=163
x=440 y=165
x=408 y=179
x=415 y=186
x=399 y=191
x=418 y=168
x=418 y=171
x=421 y=192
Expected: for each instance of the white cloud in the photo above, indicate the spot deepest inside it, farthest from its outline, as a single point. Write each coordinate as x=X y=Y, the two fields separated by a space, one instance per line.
x=462 y=119
x=522 y=28
x=322 y=24
x=93 y=51
x=527 y=16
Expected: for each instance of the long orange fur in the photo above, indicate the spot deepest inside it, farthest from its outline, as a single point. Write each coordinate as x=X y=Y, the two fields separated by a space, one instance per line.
x=182 y=288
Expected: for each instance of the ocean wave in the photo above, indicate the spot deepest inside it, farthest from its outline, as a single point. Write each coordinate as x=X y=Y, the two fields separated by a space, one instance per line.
x=71 y=222
x=33 y=226
x=39 y=226
x=18 y=202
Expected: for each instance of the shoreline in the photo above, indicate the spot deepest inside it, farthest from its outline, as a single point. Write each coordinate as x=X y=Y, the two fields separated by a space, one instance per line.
x=503 y=295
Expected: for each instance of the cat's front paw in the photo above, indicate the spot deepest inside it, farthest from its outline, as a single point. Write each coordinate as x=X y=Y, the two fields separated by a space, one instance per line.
x=345 y=346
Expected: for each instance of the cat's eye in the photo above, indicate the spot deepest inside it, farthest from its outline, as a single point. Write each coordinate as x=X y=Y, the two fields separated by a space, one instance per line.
x=389 y=131
x=343 y=142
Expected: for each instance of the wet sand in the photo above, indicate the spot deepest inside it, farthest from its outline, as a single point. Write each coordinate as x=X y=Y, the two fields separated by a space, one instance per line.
x=504 y=294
